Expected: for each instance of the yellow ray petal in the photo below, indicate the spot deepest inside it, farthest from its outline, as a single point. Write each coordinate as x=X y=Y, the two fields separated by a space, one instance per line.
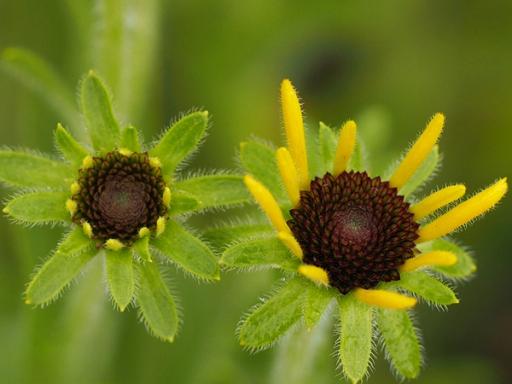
x=418 y=152
x=314 y=273
x=294 y=127
x=160 y=225
x=434 y=258
x=464 y=212
x=288 y=174
x=166 y=197
x=87 y=228
x=114 y=244
x=346 y=145
x=267 y=202
x=71 y=206
x=437 y=200
x=292 y=244
x=384 y=299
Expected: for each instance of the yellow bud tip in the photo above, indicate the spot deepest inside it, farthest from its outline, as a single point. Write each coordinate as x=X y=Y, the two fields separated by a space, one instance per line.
x=155 y=162
x=87 y=162
x=74 y=188
x=434 y=258
x=114 y=245
x=384 y=299
x=5 y=210
x=71 y=206
x=314 y=273
x=346 y=145
x=166 y=197
x=160 y=225
x=124 y=151
x=86 y=227
x=144 y=231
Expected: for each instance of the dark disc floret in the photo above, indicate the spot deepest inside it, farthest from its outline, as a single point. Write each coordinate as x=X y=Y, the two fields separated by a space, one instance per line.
x=118 y=195
x=357 y=228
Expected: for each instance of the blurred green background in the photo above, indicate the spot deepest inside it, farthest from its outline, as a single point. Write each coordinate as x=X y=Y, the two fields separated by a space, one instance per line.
x=390 y=64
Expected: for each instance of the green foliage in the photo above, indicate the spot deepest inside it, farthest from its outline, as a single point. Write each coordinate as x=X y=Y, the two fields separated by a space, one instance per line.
x=38 y=207
x=182 y=202
x=424 y=173
x=327 y=142
x=180 y=140
x=427 y=287
x=70 y=149
x=156 y=303
x=400 y=341
x=25 y=169
x=120 y=276
x=186 y=250
x=227 y=235
x=130 y=139
x=358 y=160
x=356 y=337
x=141 y=248
x=316 y=301
x=99 y=116
x=270 y=320
x=61 y=268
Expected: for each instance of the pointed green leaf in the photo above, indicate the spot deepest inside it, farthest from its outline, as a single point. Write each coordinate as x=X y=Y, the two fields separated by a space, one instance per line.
x=180 y=140
x=36 y=74
x=315 y=162
x=327 y=142
x=25 y=169
x=259 y=160
x=99 y=116
x=268 y=252
x=358 y=159
x=61 y=268
x=71 y=149
x=316 y=301
x=400 y=341
x=270 y=320
x=186 y=250
x=215 y=190
x=424 y=173
x=120 y=276
x=141 y=247
x=427 y=287
x=130 y=139
x=356 y=337
x=39 y=207
x=182 y=202
x=156 y=303
x=228 y=234
x=465 y=265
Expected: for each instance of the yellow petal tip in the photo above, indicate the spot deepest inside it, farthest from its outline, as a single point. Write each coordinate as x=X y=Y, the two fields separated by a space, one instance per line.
x=87 y=229
x=71 y=206
x=144 y=231
x=5 y=210
x=87 y=162
x=384 y=299
x=316 y=274
x=166 y=197
x=114 y=244
x=160 y=225
x=124 y=151
x=155 y=162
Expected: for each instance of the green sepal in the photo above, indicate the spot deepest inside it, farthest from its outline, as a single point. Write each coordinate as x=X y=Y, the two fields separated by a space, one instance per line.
x=75 y=251
x=259 y=160
x=316 y=299
x=96 y=106
x=423 y=174
x=268 y=321
x=25 y=169
x=327 y=143
x=215 y=190
x=141 y=248
x=70 y=149
x=180 y=140
x=130 y=139
x=120 y=276
x=182 y=202
x=356 y=337
x=315 y=162
x=189 y=252
x=427 y=287
x=156 y=304
x=259 y=252
x=358 y=160
x=400 y=341
x=465 y=265
x=226 y=235
x=39 y=207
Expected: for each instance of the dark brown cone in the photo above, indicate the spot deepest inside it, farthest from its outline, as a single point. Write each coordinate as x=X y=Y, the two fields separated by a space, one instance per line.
x=119 y=195
x=356 y=228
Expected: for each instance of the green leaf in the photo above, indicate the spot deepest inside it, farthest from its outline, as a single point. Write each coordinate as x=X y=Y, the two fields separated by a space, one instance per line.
x=71 y=149
x=141 y=247
x=189 y=252
x=316 y=301
x=270 y=320
x=130 y=139
x=358 y=159
x=423 y=174
x=228 y=234
x=61 y=268
x=36 y=74
x=156 y=303
x=25 y=169
x=260 y=252
x=427 y=287
x=465 y=265
x=182 y=202
x=356 y=334
x=400 y=341
x=39 y=207
x=315 y=163
x=215 y=190
x=99 y=116
x=120 y=276
x=259 y=160
x=327 y=142
x=180 y=140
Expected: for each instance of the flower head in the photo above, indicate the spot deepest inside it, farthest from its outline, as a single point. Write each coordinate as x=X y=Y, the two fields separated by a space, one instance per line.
x=345 y=236
x=122 y=203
